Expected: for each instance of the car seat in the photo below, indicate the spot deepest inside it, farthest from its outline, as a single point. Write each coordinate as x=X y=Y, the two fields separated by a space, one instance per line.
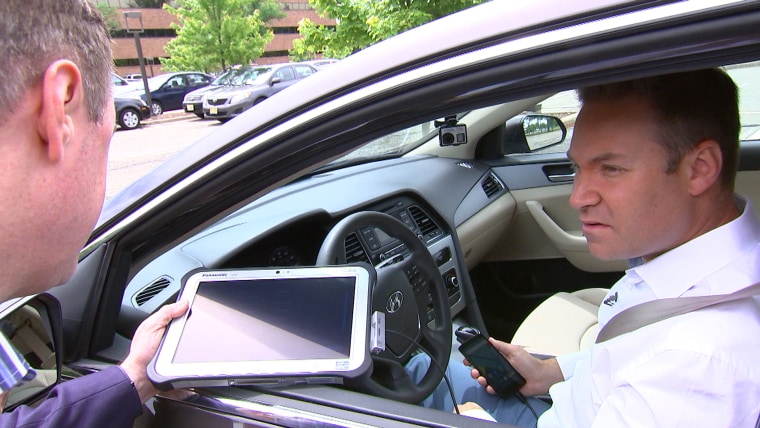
x=561 y=324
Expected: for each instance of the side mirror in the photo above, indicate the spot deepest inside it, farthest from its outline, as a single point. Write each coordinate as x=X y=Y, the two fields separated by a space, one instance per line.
x=33 y=327
x=275 y=80
x=529 y=132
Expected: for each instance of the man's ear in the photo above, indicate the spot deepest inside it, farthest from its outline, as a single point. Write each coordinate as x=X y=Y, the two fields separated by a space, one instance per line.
x=705 y=163
x=62 y=98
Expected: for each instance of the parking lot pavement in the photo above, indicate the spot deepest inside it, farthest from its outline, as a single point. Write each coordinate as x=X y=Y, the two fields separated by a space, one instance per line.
x=133 y=153
x=169 y=116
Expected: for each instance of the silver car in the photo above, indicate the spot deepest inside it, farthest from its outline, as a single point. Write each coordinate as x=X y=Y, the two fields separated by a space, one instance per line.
x=251 y=86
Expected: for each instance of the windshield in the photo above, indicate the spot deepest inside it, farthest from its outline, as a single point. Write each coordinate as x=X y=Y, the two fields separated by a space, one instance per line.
x=226 y=77
x=154 y=83
x=251 y=76
x=391 y=145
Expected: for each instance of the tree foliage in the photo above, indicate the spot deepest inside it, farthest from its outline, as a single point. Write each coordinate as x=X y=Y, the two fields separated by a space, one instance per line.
x=361 y=23
x=215 y=34
x=110 y=16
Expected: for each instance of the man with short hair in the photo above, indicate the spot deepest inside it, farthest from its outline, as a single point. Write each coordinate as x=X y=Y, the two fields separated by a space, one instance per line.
x=655 y=163
x=54 y=137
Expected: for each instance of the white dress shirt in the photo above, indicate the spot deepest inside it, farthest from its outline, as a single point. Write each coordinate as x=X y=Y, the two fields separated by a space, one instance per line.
x=700 y=369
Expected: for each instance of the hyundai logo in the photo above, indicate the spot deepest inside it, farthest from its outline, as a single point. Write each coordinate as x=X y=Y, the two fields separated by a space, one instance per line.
x=394 y=302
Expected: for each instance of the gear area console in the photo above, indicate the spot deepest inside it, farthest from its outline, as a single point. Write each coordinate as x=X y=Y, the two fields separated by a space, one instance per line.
x=374 y=246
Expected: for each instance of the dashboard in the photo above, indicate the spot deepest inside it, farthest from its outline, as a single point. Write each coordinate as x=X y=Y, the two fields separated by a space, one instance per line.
x=287 y=227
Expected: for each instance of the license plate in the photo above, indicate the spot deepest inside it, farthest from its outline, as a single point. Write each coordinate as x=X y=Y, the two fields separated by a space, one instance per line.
x=214 y=110
x=189 y=107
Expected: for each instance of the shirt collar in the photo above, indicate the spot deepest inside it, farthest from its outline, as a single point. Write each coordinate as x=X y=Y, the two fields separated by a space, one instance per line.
x=672 y=273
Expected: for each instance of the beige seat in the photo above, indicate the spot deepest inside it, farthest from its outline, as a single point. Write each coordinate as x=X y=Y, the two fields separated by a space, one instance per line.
x=563 y=323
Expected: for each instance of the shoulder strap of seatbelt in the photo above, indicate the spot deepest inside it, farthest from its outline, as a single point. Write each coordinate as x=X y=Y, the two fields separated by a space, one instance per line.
x=657 y=310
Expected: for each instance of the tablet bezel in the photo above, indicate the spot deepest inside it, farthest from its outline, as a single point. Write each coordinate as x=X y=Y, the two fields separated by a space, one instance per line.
x=165 y=373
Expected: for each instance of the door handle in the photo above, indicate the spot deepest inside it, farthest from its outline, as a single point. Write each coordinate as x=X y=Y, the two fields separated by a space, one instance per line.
x=559 y=172
x=561 y=178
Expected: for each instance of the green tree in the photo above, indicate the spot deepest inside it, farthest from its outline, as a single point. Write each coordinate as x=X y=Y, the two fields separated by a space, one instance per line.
x=361 y=23
x=215 y=34
x=111 y=16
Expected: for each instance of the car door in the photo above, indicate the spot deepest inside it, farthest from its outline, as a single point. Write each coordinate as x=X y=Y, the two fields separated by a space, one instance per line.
x=173 y=92
x=282 y=78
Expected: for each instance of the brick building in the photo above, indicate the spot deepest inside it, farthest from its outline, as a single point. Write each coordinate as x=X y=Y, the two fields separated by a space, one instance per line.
x=158 y=32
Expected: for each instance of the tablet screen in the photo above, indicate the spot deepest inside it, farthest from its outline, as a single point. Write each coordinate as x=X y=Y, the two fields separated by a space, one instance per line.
x=269 y=319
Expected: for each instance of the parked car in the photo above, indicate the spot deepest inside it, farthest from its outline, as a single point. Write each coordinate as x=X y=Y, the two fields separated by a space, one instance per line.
x=320 y=63
x=121 y=86
x=168 y=90
x=287 y=182
x=193 y=102
x=252 y=85
x=130 y=111
x=133 y=77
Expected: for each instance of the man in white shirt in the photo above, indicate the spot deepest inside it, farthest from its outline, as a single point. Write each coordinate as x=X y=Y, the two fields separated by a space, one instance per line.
x=655 y=165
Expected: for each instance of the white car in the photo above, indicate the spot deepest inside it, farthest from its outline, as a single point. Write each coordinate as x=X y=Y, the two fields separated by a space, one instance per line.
x=133 y=77
x=122 y=86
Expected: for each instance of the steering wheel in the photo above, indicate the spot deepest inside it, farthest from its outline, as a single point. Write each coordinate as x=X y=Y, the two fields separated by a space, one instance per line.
x=406 y=286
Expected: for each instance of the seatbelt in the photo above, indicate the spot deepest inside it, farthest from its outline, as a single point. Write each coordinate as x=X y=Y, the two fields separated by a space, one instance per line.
x=657 y=310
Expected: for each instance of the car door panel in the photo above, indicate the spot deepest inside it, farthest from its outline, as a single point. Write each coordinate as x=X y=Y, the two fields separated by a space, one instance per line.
x=484 y=230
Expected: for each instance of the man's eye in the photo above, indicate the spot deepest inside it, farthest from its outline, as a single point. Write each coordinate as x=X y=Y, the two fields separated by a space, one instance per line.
x=612 y=169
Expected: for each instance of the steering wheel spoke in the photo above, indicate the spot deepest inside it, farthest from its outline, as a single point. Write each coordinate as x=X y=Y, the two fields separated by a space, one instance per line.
x=407 y=285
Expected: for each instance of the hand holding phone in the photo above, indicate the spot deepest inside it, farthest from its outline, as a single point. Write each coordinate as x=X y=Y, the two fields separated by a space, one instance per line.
x=497 y=371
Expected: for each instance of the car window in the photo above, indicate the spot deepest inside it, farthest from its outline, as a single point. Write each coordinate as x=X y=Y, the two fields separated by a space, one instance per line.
x=391 y=145
x=285 y=74
x=303 y=71
x=175 y=82
x=226 y=77
x=197 y=79
x=118 y=81
x=251 y=76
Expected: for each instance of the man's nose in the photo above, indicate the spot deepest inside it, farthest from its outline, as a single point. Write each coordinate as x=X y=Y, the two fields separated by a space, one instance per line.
x=583 y=194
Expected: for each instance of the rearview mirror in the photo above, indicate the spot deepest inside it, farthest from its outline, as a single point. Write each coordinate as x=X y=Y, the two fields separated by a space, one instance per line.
x=32 y=326
x=529 y=132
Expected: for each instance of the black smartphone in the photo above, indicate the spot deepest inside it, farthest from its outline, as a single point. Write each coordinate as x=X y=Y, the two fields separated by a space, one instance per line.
x=502 y=377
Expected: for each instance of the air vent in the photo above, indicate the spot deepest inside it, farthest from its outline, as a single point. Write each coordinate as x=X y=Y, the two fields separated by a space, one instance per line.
x=427 y=227
x=491 y=185
x=354 y=250
x=464 y=164
x=151 y=290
